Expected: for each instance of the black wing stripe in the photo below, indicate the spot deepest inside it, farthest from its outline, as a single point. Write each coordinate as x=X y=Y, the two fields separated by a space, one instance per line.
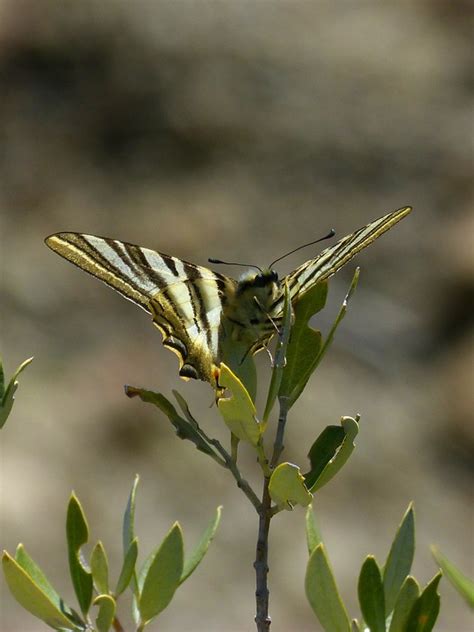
x=138 y=257
x=171 y=265
x=197 y=300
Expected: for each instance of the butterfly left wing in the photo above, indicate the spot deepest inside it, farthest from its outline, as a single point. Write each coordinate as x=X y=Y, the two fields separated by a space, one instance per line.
x=332 y=259
x=184 y=299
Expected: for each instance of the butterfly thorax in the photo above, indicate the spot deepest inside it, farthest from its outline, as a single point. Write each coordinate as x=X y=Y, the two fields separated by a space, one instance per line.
x=248 y=312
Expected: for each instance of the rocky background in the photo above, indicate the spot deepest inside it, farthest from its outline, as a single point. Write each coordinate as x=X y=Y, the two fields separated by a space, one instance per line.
x=238 y=130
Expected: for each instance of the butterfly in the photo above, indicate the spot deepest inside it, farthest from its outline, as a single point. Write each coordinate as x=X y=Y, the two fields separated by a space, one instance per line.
x=198 y=311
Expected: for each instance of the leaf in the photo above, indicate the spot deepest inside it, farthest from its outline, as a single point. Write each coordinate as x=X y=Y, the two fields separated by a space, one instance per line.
x=309 y=350
x=236 y=357
x=351 y=429
x=2 y=380
x=7 y=396
x=340 y=316
x=128 y=568
x=238 y=410
x=100 y=568
x=36 y=574
x=106 y=614
x=287 y=487
x=304 y=345
x=200 y=550
x=322 y=451
x=280 y=357
x=162 y=575
x=184 y=429
x=399 y=560
x=323 y=595
x=77 y=533
x=183 y=404
x=128 y=529
x=313 y=535
x=426 y=609
x=460 y=582
x=409 y=593
x=35 y=593
x=371 y=595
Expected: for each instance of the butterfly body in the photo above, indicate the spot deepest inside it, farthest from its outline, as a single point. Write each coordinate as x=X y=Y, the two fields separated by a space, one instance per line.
x=248 y=310
x=203 y=314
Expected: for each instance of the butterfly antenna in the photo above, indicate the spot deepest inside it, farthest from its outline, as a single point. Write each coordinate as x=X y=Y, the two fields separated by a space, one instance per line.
x=330 y=234
x=233 y=263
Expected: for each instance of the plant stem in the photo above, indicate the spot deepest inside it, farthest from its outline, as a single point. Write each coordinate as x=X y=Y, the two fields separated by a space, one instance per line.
x=117 y=625
x=231 y=465
x=262 y=618
x=266 y=512
x=278 y=446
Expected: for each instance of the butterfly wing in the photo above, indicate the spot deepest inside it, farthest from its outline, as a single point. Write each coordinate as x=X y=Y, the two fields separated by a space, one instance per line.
x=184 y=299
x=329 y=261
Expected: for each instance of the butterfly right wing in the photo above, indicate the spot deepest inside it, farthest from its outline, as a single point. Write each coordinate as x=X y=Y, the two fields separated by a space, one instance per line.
x=184 y=299
x=332 y=259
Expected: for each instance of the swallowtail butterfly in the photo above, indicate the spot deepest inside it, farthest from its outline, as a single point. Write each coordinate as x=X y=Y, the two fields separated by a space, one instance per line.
x=197 y=309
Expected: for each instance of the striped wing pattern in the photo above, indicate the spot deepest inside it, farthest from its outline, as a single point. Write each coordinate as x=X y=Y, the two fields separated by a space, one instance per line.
x=329 y=261
x=184 y=299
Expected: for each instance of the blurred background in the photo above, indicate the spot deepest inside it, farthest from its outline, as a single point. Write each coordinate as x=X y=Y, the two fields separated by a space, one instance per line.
x=238 y=130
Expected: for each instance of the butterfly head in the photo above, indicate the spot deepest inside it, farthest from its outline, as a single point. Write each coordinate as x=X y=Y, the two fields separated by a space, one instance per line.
x=264 y=282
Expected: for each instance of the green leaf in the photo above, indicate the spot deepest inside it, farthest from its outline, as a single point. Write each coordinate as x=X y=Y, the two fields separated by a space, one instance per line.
x=313 y=534
x=100 y=568
x=200 y=550
x=35 y=593
x=371 y=595
x=106 y=614
x=36 y=574
x=128 y=529
x=323 y=595
x=184 y=429
x=7 y=396
x=77 y=533
x=409 y=593
x=128 y=568
x=287 y=487
x=351 y=429
x=322 y=451
x=426 y=609
x=341 y=314
x=235 y=355
x=280 y=357
x=183 y=404
x=304 y=345
x=162 y=575
x=307 y=350
x=238 y=410
x=2 y=380
x=460 y=582
x=399 y=560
